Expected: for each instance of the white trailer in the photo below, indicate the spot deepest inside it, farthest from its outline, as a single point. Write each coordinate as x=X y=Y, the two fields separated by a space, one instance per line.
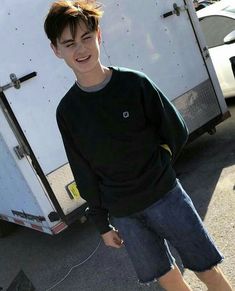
x=161 y=38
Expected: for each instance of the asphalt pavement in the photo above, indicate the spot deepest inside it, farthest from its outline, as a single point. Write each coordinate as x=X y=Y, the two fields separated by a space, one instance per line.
x=206 y=169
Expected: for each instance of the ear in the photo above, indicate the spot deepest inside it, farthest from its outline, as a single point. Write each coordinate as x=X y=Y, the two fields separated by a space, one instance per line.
x=56 y=51
x=99 y=35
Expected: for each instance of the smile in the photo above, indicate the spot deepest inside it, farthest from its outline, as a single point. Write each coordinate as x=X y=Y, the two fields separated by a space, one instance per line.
x=83 y=59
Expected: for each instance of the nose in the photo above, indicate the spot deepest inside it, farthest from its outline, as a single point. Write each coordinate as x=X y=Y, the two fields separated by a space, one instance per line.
x=80 y=48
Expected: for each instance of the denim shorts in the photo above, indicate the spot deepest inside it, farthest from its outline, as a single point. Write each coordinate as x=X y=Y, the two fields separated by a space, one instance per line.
x=174 y=219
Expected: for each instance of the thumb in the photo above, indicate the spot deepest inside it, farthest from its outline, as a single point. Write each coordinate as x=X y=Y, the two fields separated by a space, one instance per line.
x=117 y=239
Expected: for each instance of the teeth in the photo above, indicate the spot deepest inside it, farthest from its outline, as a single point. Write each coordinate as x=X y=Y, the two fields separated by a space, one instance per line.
x=82 y=59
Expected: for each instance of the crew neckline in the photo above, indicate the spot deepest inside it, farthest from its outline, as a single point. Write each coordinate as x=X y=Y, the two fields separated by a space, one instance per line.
x=100 y=87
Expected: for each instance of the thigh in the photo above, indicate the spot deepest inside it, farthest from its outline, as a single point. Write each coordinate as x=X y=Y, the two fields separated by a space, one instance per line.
x=177 y=220
x=148 y=252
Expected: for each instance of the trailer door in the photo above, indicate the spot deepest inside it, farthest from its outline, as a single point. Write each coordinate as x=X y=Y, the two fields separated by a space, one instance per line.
x=164 y=40
x=26 y=49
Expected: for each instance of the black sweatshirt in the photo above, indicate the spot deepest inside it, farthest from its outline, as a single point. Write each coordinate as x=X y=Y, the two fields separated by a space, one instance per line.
x=113 y=140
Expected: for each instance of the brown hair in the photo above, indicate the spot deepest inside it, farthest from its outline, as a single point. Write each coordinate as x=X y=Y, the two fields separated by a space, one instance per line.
x=63 y=13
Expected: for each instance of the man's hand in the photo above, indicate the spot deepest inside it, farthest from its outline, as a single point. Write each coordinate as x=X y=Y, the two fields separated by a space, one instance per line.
x=112 y=239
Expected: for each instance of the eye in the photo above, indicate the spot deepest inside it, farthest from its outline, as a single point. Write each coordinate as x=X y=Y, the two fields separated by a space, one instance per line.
x=70 y=44
x=87 y=37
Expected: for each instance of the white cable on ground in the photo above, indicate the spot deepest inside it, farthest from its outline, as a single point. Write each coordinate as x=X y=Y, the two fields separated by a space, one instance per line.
x=83 y=262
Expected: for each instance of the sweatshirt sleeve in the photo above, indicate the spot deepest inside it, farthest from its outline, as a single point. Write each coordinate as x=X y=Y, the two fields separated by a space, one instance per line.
x=167 y=119
x=85 y=179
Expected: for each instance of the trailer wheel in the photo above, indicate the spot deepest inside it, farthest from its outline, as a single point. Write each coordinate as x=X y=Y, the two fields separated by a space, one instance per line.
x=6 y=228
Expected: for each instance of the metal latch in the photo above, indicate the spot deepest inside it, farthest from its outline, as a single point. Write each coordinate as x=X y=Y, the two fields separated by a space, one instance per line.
x=15 y=82
x=176 y=10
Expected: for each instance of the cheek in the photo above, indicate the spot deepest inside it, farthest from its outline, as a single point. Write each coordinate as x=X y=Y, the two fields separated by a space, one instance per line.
x=68 y=53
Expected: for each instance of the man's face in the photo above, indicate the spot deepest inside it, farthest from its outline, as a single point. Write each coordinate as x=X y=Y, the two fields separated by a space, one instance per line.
x=81 y=53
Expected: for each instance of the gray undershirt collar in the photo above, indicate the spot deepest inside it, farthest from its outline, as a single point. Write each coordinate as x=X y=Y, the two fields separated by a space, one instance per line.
x=96 y=87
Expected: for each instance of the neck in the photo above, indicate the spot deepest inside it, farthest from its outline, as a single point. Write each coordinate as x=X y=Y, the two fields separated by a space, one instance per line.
x=94 y=77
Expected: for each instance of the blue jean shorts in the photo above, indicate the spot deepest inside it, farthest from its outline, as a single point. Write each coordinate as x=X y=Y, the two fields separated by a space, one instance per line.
x=171 y=219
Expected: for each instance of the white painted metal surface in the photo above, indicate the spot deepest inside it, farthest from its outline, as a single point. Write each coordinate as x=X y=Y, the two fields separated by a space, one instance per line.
x=26 y=49
x=208 y=61
x=165 y=48
x=20 y=189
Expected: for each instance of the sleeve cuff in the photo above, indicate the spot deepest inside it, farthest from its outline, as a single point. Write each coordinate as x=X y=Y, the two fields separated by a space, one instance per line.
x=100 y=219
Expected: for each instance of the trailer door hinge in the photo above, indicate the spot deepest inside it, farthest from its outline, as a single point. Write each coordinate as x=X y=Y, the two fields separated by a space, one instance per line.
x=15 y=82
x=176 y=10
x=19 y=151
x=206 y=52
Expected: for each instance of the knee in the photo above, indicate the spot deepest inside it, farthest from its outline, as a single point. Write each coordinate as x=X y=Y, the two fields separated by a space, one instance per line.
x=215 y=279
x=173 y=280
x=210 y=276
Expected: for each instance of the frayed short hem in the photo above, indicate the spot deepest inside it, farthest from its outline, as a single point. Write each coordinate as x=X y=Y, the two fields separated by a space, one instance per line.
x=148 y=283
x=207 y=268
x=155 y=279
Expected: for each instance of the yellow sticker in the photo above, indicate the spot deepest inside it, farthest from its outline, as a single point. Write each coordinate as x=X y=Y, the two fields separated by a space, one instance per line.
x=73 y=190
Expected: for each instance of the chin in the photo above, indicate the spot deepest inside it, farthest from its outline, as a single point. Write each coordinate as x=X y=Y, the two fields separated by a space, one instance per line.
x=86 y=68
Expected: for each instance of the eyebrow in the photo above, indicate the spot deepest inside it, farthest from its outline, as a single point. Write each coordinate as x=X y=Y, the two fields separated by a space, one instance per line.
x=72 y=40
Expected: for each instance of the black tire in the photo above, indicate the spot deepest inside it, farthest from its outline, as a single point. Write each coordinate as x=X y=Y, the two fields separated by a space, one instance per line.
x=6 y=228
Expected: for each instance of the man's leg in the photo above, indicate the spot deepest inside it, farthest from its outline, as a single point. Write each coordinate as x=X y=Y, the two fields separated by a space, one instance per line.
x=174 y=281
x=214 y=280
x=177 y=220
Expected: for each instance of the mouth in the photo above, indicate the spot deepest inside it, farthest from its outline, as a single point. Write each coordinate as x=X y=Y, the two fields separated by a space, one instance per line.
x=83 y=59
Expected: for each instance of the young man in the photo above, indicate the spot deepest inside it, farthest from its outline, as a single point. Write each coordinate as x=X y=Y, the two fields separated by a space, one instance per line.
x=121 y=136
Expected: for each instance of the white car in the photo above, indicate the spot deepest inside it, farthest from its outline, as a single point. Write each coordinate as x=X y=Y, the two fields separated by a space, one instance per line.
x=218 y=25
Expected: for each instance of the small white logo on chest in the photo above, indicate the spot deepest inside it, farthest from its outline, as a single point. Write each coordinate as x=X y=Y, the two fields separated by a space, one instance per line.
x=125 y=114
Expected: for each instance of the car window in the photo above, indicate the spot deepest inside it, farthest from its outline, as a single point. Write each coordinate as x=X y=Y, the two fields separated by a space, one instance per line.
x=215 y=28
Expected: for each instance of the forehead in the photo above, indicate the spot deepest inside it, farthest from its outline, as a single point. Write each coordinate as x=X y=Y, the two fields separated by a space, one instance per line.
x=67 y=33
